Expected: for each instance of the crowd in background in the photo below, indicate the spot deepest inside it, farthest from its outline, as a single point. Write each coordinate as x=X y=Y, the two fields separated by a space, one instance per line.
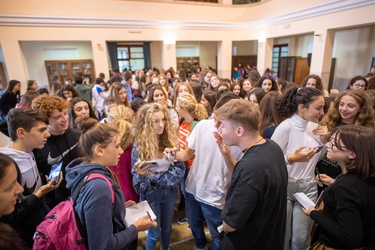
x=117 y=126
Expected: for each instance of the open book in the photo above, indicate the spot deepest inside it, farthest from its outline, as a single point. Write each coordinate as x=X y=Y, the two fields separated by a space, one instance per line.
x=306 y=202
x=135 y=212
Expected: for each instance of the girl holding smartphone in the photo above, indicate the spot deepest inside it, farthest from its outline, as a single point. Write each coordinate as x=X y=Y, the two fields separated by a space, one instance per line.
x=156 y=184
x=295 y=136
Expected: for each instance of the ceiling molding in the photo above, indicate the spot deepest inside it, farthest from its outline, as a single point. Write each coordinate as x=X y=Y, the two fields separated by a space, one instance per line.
x=100 y=22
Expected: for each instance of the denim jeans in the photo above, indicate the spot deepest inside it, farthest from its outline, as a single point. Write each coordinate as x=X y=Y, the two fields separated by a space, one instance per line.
x=299 y=225
x=183 y=181
x=163 y=207
x=197 y=212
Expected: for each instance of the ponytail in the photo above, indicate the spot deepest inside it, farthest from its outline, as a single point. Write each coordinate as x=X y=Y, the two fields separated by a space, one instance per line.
x=295 y=96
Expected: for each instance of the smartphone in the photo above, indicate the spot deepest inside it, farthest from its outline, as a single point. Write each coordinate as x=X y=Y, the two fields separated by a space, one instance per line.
x=319 y=148
x=153 y=164
x=171 y=158
x=55 y=172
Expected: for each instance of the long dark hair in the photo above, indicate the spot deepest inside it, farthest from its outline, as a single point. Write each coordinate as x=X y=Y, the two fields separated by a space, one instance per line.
x=72 y=115
x=295 y=96
x=11 y=85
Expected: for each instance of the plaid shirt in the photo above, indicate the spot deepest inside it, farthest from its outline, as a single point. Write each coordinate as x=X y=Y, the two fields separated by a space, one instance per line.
x=145 y=186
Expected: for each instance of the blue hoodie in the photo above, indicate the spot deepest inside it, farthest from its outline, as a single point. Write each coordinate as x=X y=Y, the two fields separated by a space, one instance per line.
x=104 y=224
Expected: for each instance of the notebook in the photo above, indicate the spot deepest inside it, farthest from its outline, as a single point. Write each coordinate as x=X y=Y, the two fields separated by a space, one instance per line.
x=306 y=202
x=133 y=213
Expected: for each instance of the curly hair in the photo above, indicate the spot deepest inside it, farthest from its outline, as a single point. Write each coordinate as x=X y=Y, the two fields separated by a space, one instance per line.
x=121 y=118
x=113 y=92
x=148 y=141
x=71 y=89
x=295 y=96
x=318 y=80
x=366 y=117
x=47 y=104
x=260 y=82
x=188 y=102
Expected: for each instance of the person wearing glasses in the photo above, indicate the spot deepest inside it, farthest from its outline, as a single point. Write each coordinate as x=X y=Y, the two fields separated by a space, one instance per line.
x=358 y=82
x=348 y=218
x=351 y=107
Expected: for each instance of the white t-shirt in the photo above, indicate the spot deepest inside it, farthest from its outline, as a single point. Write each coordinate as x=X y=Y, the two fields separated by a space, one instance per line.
x=31 y=180
x=99 y=97
x=292 y=134
x=209 y=177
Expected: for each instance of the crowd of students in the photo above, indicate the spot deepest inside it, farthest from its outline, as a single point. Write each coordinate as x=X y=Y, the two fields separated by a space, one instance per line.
x=241 y=149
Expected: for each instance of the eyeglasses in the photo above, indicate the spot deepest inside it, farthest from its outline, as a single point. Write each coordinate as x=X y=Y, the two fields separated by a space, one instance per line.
x=360 y=86
x=332 y=143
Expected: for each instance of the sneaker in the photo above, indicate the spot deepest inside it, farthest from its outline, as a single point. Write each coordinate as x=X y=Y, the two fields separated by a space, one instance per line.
x=182 y=220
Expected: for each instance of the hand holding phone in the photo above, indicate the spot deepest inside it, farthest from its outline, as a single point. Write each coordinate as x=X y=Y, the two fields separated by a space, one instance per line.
x=55 y=172
x=171 y=158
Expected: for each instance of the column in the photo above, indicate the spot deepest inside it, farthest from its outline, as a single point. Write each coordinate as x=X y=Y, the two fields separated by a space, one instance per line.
x=15 y=62
x=224 y=59
x=322 y=55
x=100 y=54
x=264 y=60
x=169 y=55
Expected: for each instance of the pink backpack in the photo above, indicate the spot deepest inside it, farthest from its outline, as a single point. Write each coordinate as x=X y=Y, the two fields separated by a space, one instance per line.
x=62 y=228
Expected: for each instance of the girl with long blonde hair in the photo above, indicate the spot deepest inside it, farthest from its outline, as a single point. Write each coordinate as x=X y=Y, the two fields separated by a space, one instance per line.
x=158 y=94
x=154 y=178
x=118 y=91
x=121 y=118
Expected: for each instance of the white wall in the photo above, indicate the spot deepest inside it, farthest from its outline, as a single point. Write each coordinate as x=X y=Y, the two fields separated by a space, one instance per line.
x=353 y=54
x=246 y=48
x=208 y=54
x=156 y=54
x=35 y=57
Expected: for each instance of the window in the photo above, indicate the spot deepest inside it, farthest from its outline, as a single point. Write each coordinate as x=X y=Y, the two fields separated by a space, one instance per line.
x=245 y=1
x=130 y=57
x=278 y=51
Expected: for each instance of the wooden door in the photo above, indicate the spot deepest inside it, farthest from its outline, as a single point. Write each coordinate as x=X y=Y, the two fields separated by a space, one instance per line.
x=301 y=70
x=287 y=68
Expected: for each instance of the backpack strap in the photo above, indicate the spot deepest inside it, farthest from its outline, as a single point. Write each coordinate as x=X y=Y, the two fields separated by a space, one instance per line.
x=95 y=175
x=75 y=194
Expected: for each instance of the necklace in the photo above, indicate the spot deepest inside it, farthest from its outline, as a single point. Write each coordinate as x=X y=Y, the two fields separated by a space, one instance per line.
x=247 y=149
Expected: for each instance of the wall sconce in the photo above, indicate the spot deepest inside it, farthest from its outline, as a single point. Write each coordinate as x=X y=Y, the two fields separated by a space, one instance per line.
x=100 y=47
